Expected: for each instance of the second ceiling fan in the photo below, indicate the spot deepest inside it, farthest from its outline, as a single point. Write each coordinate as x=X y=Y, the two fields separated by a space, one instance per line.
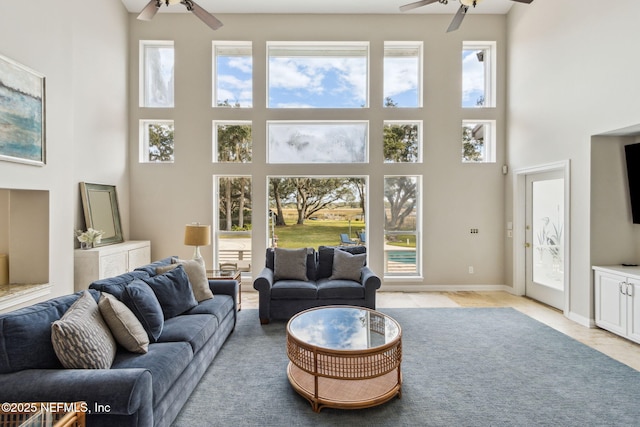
x=462 y=11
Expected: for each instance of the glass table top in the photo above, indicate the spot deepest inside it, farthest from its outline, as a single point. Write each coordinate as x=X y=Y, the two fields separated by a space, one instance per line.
x=343 y=328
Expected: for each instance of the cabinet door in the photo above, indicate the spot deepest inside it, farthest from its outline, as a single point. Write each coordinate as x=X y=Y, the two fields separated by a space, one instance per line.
x=139 y=257
x=633 y=307
x=611 y=304
x=113 y=265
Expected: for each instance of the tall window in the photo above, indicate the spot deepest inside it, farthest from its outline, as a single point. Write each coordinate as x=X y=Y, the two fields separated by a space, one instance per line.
x=478 y=74
x=156 y=74
x=403 y=74
x=402 y=141
x=478 y=141
x=232 y=142
x=233 y=221
x=401 y=226
x=318 y=75
x=156 y=141
x=315 y=211
x=232 y=74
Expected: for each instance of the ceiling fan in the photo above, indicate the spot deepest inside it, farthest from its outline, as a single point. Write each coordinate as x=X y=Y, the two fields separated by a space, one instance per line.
x=462 y=11
x=153 y=6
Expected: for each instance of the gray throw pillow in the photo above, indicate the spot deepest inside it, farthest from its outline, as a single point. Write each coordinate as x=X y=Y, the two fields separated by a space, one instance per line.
x=290 y=264
x=197 y=274
x=347 y=266
x=81 y=339
x=124 y=325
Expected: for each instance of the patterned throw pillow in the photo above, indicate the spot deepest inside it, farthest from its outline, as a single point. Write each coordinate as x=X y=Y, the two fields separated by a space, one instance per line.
x=81 y=339
x=197 y=274
x=124 y=325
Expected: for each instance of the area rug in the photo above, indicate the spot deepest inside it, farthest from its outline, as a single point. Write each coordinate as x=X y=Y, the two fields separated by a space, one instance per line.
x=461 y=367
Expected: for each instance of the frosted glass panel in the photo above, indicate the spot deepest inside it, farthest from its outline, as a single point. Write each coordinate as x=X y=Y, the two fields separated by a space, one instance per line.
x=158 y=76
x=330 y=142
x=548 y=233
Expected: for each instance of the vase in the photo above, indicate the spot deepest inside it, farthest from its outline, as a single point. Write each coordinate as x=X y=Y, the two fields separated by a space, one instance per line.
x=86 y=245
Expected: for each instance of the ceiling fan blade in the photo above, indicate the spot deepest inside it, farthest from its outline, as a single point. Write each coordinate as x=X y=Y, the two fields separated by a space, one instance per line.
x=211 y=21
x=416 y=5
x=457 y=20
x=149 y=10
x=523 y=1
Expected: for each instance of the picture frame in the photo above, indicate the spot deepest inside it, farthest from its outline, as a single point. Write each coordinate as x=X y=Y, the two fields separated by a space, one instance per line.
x=101 y=211
x=22 y=114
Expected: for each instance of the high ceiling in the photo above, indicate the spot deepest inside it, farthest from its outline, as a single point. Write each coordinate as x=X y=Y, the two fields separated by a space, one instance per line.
x=323 y=6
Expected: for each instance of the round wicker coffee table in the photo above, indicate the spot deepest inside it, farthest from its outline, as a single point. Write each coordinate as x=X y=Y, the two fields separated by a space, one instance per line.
x=344 y=357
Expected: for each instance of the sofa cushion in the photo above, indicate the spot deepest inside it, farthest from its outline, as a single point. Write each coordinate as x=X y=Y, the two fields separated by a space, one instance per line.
x=195 y=329
x=166 y=361
x=124 y=325
x=294 y=289
x=173 y=291
x=81 y=338
x=340 y=289
x=25 y=334
x=325 y=258
x=150 y=269
x=290 y=264
x=310 y=263
x=347 y=266
x=115 y=285
x=220 y=307
x=142 y=301
x=197 y=274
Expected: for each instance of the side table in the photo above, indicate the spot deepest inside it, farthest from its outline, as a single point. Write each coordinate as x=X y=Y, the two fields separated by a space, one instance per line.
x=228 y=275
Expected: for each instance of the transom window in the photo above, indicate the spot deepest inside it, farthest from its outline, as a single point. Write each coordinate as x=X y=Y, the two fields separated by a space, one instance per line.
x=403 y=74
x=318 y=75
x=232 y=142
x=156 y=74
x=402 y=141
x=156 y=141
x=478 y=141
x=232 y=74
x=478 y=74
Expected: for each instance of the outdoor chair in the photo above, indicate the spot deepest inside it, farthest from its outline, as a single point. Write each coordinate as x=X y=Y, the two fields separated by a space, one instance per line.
x=346 y=241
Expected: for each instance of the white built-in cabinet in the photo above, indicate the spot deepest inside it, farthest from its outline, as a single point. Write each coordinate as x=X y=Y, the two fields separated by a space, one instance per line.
x=108 y=261
x=617 y=296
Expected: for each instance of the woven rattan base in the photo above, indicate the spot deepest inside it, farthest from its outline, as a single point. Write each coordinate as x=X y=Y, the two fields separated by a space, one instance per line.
x=344 y=394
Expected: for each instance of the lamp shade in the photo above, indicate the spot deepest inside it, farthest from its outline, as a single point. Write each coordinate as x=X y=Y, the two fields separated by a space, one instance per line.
x=197 y=235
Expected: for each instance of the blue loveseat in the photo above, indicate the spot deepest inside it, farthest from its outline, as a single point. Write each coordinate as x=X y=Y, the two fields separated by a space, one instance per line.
x=139 y=389
x=316 y=283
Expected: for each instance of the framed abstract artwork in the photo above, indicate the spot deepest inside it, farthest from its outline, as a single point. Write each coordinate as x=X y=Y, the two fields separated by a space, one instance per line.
x=22 y=114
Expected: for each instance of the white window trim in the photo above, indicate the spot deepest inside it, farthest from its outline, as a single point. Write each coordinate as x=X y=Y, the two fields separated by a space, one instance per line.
x=214 y=72
x=489 y=140
x=411 y=45
x=420 y=133
x=142 y=69
x=490 y=69
x=214 y=132
x=316 y=46
x=143 y=153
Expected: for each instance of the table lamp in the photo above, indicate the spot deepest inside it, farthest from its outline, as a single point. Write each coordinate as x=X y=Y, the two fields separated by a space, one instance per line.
x=197 y=235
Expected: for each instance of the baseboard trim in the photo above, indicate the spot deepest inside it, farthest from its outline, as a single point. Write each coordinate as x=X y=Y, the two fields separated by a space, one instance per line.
x=443 y=288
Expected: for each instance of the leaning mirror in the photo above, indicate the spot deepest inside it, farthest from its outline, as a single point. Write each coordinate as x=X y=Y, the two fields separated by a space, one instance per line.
x=100 y=204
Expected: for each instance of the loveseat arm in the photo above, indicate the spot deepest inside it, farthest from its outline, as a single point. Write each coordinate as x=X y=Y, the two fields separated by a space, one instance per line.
x=112 y=392
x=263 y=284
x=371 y=284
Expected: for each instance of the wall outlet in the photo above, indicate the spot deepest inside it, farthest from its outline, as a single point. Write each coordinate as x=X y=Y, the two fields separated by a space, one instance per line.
x=474 y=231
x=470 y=269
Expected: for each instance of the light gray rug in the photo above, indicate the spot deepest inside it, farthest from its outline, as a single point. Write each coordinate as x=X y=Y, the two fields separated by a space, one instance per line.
x=461 y=367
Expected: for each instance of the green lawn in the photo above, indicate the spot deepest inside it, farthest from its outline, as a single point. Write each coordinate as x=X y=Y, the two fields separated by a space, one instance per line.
x=316 y=233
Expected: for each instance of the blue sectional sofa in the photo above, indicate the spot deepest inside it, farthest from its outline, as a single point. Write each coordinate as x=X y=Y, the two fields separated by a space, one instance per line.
x=139 y=389
x=314 y=282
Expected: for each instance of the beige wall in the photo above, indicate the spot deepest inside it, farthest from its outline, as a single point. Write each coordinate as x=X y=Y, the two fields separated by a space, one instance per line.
x=572 y=75
x=456 y=197
x=82 y=51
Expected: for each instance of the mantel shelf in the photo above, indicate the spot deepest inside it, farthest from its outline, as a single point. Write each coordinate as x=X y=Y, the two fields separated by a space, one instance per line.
x=14 y=294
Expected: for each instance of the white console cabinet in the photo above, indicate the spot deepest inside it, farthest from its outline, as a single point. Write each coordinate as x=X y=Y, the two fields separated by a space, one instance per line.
x=617 y=296
x=108 y=261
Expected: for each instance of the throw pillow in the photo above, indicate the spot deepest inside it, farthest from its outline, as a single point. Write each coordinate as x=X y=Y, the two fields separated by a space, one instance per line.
x=290 y=264
x=81 y=339
x=173 y=292
x=197 y=275
x=347 y=266
x=124 y=325
x=142 y=301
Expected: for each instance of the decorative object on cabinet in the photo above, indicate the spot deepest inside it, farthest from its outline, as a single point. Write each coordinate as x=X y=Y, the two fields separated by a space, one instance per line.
x=108 y=261
x=197 y=235
x=22 y=110
x=616 y=288
x=101 y=212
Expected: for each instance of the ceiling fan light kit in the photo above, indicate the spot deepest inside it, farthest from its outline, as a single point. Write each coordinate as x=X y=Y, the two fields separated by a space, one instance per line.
x=153 y=6
x=460 y=14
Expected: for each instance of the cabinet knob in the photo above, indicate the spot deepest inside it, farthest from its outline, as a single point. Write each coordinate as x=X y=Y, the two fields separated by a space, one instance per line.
x=622 y=287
